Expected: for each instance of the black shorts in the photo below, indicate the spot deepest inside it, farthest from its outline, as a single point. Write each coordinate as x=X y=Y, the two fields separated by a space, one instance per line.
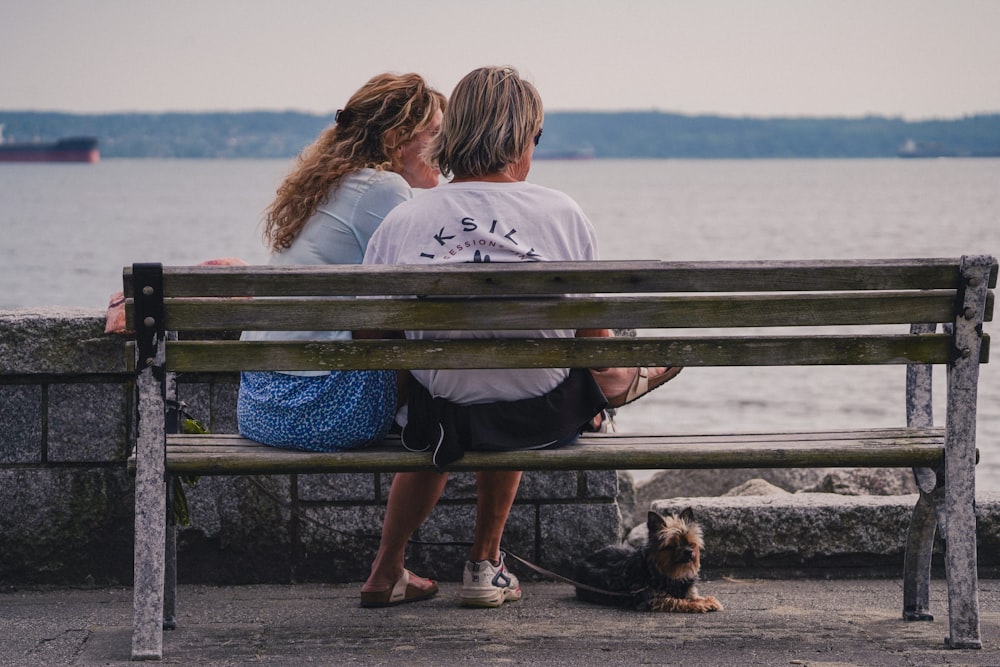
x=449 y=430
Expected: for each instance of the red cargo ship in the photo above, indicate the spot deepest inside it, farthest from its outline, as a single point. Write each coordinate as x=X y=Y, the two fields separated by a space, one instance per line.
x=70 y=149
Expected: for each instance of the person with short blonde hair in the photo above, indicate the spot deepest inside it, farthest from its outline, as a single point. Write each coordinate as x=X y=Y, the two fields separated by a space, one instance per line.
x=486 y=213
x=497 y=116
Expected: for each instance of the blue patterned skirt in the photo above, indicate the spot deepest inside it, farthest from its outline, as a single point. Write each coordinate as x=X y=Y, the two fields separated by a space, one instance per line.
x=327 y=413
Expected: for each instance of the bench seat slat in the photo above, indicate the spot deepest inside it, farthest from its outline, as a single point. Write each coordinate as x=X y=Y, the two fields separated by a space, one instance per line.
x=195 y=440
x=210 y=314
x=194 y=455
x=215 y=356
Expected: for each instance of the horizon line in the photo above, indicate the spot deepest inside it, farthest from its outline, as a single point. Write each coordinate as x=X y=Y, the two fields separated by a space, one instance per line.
x=654 y=110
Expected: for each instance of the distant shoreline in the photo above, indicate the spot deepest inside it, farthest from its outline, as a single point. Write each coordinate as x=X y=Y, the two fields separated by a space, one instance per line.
x=590 y=135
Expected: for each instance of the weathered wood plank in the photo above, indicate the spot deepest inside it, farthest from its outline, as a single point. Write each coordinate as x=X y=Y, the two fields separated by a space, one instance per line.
x=214 y=356
x=893 y=448
x=561 y=277
x=196 y=440
x=645 y=312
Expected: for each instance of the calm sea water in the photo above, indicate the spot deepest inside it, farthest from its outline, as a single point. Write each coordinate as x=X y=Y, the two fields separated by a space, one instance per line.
x=69 y=229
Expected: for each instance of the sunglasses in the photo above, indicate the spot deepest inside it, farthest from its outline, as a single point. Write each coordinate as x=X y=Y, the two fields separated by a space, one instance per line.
x=538 y=137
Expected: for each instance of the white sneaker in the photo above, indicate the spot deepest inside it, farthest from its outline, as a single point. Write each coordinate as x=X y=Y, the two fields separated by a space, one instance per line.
x=487 y=585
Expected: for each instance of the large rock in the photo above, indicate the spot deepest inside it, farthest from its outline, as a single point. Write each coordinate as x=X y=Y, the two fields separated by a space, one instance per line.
x=710 y=483
x=866 y=482
x=756 y=487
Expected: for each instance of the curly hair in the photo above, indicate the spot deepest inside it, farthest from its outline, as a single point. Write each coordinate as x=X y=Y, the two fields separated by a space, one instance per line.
x=378 y=119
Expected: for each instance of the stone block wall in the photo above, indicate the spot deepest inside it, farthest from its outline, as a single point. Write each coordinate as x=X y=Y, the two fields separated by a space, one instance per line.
x=65 y=497
x=66 y=504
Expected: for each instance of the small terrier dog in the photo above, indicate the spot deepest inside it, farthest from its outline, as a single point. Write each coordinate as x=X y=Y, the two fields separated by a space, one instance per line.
x=660 y=576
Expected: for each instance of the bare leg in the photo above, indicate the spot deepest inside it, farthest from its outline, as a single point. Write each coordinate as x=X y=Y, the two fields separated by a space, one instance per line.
x=495 y=492
x=412 y=496
x=624 y=385
x=613 y=381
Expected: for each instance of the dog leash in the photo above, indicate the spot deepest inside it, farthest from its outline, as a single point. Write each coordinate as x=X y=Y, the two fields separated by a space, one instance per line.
x=531 y=566
x=566 y=580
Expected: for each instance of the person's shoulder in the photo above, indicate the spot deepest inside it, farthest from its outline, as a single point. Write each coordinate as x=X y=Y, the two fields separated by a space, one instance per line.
x=379 y=190
x=382 y=179
x=412 y=205
x=543 y=190
x=550 y=195
x=420 y=199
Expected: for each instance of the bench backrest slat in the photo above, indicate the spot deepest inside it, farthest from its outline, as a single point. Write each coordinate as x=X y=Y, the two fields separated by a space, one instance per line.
x=647 y=312
x=561 y=278
x=215 y=356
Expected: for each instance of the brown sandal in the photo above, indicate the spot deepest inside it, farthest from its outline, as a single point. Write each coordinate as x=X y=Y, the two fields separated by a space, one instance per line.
x=642 y=384
x=401 y=592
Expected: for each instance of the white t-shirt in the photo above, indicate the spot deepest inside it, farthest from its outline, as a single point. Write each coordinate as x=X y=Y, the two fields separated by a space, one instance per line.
x=485 y=222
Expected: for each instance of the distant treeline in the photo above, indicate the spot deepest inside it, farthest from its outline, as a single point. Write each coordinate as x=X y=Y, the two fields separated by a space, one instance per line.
x=635 y=134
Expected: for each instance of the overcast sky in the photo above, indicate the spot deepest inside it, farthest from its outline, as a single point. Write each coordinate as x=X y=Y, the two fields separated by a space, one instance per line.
x=912 y=58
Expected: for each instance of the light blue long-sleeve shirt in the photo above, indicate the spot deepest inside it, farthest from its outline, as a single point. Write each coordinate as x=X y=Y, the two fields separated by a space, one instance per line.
x=338 y=233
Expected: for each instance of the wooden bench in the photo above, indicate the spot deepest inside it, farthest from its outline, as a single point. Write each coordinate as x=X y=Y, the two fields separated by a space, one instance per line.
x=703 y=314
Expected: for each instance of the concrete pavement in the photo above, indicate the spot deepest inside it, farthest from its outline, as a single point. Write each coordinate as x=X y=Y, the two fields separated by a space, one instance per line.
x=765 y=622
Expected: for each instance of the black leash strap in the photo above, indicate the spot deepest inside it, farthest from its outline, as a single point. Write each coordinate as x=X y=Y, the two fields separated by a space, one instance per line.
x=558 y=577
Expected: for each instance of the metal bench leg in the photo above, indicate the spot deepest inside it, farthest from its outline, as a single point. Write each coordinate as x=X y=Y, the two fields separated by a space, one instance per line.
x=170 y=567
x=150 y=464
x=960 y=562
x=150 y=527
x=924 y=521
x=173 y=423
x=959 y=511
x=919 y=552
x=960 y=457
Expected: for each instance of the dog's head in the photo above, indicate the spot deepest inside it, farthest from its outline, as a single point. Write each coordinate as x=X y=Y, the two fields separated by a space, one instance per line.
x=675 y=544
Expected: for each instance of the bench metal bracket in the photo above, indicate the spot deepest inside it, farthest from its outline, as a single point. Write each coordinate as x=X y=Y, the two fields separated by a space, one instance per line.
x=147 y=281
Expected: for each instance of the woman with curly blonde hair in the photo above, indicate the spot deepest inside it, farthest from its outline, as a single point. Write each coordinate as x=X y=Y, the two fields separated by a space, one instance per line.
x=327 y=208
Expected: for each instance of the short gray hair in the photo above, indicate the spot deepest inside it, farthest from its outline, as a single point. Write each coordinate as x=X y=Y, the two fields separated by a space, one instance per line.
x=491 y=119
